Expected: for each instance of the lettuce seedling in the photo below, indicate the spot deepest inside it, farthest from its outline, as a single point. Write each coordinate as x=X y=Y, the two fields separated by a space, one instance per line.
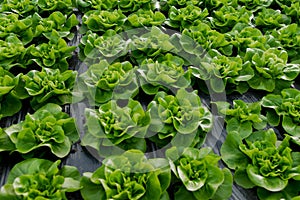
x=56 y=21
x=128 y=176
x=226 y=17
x=103 y=20
x=40 y=179
x=21 y=27
x=198 y=175
x=165 y=5
x=109 y=45
x=128 y=6
x=289 y=38
x=179 y=120
x=65 y=6
x=142 y=18
x=233 y=72
x=284 y=107
x=85 y=6
x=272 y=70
x=151 y=44
x=207 y=38
x=244 y=36
x=53 y=54
x=103 y=81
x=20 y=7
x=242 y=117
x=185 y=17
x=269 y=18
x=47 y=127
x=113 y=128
x=260 y=160
x=165 y=72
x=49 y=86
x=12 y=51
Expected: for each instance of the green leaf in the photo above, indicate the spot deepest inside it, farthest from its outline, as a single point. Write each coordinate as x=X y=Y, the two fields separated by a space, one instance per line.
x=244 y=129
x=273 y=184
x=230 y=152
x=242 y=179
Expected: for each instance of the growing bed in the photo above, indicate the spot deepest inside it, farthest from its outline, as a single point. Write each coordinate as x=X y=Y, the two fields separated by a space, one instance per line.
x=150 y=99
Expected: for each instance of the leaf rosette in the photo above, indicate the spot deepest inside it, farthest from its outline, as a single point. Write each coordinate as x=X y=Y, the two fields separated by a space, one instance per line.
x=165 y=72
x=128 y=6
x=10 y=23
x=206 y=37
x=142 y=18
x=225 y=18
x=186 y=16
x=128 y=176
x=109 y=46
x=284 y=107
x=270 y=19
x=106 y=81
x=65 y=6
x=85 y=6
x=272 y=70
x=49 y=86
x=244 y=36
x=151 y=44
x=261 y=161
x=242 y=117
x=103 y=20
x=113 y=129
x=40 y=179
x=179 y=120
x=255 y=5
x=56 y=21
x=53 y=54
x=47 y=127
x=165 y=5
x=289 y=38
x=198 y=171
x=20 y=7
x=233 y=72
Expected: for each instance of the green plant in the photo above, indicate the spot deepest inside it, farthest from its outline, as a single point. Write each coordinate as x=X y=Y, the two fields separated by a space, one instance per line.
x=109 y=45
x=56 y=21
x=261 y=161
x=12 y=51
x=242 y=117
x=49 y=86
x=198 y=174
x=185 y=17
x=103 y=20
x=284 y=107
x=165 y=72
x=113 y=128
x=13 y=23
x=53 y=54
x=179 y=120
x=272 y=72
x=225 y=18
x=128 y=176
x=104 y=81
x=47 y=127
x=142 y=18
x=233 y=72
x=40 y=179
